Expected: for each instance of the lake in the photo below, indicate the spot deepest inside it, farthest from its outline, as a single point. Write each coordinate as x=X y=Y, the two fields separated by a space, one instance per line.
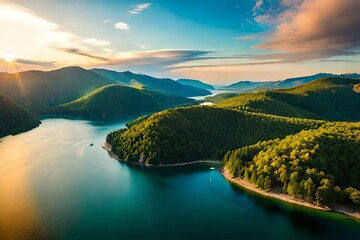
x=54 y=185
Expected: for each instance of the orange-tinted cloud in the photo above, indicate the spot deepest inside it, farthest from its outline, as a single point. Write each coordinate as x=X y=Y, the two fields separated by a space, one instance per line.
x=320 y=29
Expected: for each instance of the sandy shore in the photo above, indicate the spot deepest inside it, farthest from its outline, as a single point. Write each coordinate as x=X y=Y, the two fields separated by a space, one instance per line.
x=107 y=147
x=287 y=198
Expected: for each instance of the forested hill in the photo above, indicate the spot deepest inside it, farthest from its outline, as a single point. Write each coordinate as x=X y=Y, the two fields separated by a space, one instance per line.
x=38 y=90
x=195 y=133
x=320 y=166
x=165 y=85
x=117 y=100
x=15 y=119
x=195 y=83
x=327 y=98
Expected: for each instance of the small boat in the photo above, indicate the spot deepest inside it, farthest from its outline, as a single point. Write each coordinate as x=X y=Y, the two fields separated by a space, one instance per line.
x=91 y=145
x=212 y=168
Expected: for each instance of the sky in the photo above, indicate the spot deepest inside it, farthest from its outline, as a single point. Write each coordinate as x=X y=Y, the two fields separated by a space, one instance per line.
x=216 y=41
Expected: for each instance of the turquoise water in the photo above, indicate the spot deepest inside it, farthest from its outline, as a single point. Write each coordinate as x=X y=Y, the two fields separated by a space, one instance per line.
x=54 y=185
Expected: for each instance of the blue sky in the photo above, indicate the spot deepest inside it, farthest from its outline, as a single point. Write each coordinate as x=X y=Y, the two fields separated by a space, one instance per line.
x=215 y=41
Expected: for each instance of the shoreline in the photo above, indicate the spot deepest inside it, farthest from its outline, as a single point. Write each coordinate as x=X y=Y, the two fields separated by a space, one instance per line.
x=338 y=208
x=107 y=148
x=347 y=211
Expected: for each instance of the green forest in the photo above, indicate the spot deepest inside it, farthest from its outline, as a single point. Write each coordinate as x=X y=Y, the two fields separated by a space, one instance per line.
x=281 y=140
x=319 y=165
x=194 y=133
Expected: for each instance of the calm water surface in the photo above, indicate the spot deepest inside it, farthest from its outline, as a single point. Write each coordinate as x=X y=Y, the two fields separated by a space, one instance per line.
x=53 y=185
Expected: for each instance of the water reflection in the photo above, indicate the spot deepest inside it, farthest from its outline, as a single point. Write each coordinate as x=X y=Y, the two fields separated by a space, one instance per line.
x=54 y=185
x=316 y=222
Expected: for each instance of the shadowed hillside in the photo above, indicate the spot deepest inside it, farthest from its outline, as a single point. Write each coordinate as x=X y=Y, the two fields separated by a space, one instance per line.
x=15 y=119
x=164 y=85
x=116 y=100
x=38 y=90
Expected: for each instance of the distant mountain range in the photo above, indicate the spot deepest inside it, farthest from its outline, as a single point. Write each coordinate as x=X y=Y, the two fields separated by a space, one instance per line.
x=244 y=86
x=165 y=85
x=249 y=86
x=76 y=91
x=330 y=98
x=38 y=91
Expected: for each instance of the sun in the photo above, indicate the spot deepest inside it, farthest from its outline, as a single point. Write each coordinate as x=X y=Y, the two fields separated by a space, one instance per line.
x=9 y=58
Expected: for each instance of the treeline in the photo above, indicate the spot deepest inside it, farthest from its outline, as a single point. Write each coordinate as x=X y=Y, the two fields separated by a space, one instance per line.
x=320 y=165
x=195 y=133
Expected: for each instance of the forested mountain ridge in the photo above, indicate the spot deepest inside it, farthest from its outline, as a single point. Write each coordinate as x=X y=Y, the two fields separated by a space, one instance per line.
x=320 y=166
x=245 y=86
x=195 y=83
x=327 y=98
x=195 y=133
x=298 y=81
x=37 y=91
x=14 y=118
x=117 y=100
x=164 y=85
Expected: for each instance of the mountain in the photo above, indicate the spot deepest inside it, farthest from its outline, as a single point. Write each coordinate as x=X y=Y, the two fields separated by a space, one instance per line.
x=298 y=81
x=14 y=118
x=117 y=100
x=245 y=86
x=38 y=90
x=193 y=133
x=164 y=85
x=195 y=83
x=248 y=86
x=327 y=98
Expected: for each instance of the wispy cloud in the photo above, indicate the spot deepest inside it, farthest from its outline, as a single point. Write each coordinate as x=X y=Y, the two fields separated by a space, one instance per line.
x=270 y=12
x=122 y=26
x=43 y=39
x=80 y=52
x=141 y=45
x=138 y=8
x=34 y=62
x=96 y=42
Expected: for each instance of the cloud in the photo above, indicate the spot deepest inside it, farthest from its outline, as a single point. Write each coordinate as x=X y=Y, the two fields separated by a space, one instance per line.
x=313 y=30
x=28 y=36
x=141 y=45
x=34 y=62
x=138 y=8
x=160 y=58
x=80 y=52
x=96 y=42
x=122 y=26
x=258 y=5
x=273 y=12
